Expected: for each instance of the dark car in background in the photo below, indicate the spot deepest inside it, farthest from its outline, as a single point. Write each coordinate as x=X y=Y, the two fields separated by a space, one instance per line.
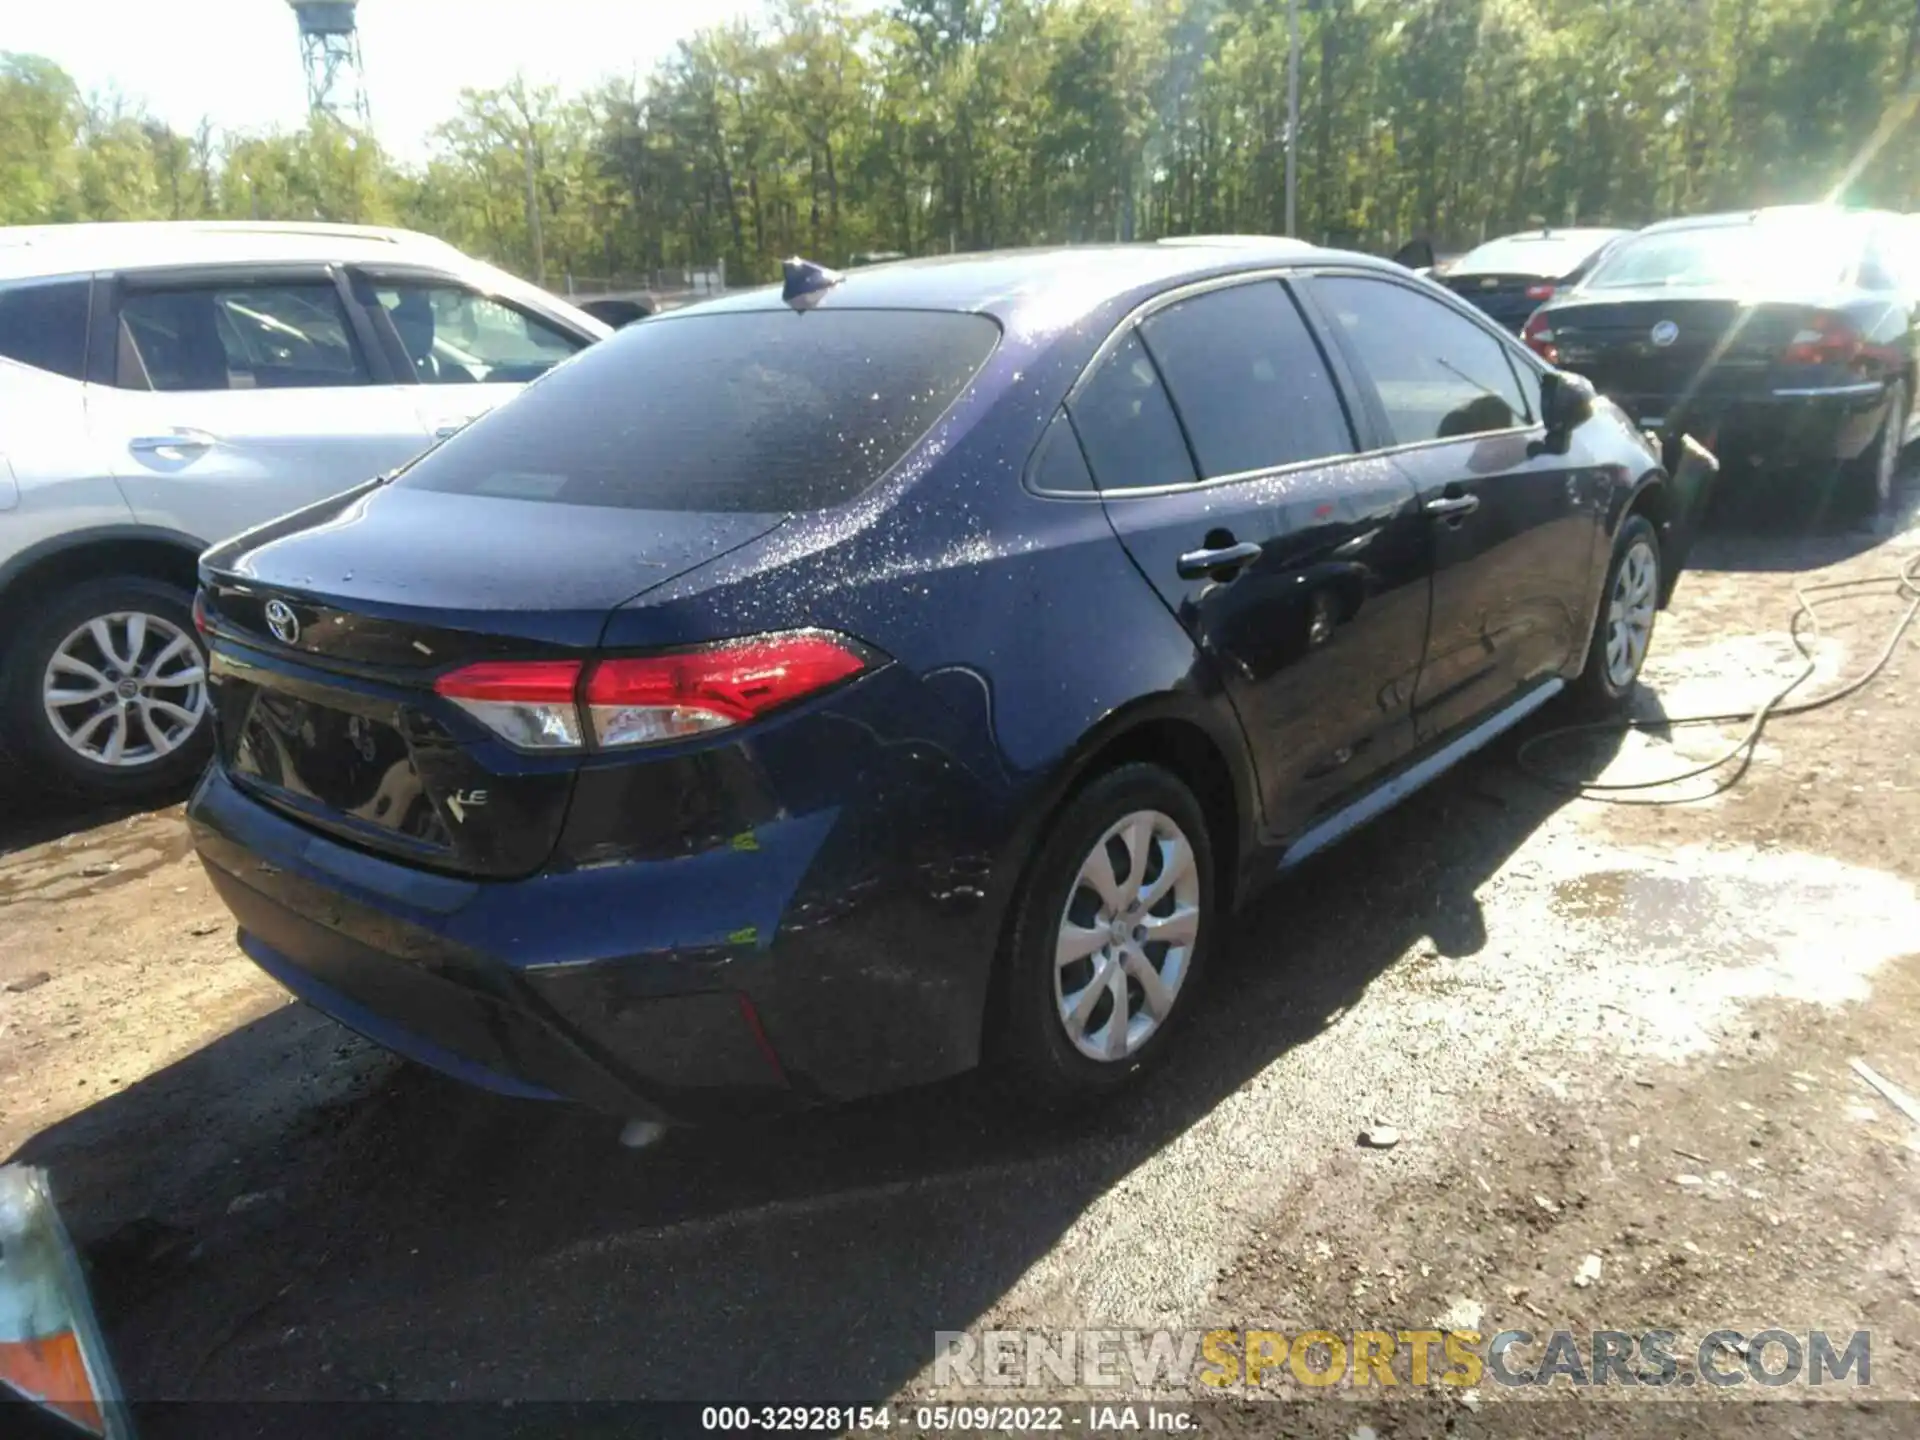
x=1786 y=339
x=1513 y=276
x=617 y=310
x=801 y=696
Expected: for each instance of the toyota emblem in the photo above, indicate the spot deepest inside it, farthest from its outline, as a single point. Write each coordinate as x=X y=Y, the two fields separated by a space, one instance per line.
x=281 y=620
x=1664 y=334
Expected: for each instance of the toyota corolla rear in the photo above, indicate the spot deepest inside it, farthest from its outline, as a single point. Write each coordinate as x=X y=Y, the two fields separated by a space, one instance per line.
x=1752 y=332
x=527 y=755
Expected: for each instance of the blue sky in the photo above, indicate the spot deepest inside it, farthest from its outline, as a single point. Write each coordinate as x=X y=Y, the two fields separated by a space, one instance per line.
x=238 y=61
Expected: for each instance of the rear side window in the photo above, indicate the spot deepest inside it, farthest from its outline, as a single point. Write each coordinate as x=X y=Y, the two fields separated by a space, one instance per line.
x=761 y=411
x=1881 y=266
x=1059 y=465
x=264 y=337
x=1439 y=376
x=45 y=325
x=1127 y=425
x=1248 y=379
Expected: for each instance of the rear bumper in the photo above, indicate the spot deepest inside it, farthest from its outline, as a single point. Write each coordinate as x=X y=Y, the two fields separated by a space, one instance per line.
x=465 y=976
x=1790 y=428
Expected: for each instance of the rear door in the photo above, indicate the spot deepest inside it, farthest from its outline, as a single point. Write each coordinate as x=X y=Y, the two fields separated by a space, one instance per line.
x=1514 y=527
x=468 y=351
x=1231 y=469
x=234 y=396
x=55 y=478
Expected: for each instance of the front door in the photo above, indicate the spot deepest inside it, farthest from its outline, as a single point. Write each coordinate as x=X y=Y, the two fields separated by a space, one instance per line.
x=1226 y=460
x=1514 y=528
x=237 y=400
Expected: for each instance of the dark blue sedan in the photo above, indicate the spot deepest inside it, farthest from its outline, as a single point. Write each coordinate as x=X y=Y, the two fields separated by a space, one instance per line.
x=814 y=692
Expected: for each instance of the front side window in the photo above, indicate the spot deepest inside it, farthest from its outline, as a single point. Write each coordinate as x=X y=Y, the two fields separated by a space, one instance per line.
x=1438 y=375
x=1248 y=380
x=239 y=337
x=454 y=336
x=44 y=324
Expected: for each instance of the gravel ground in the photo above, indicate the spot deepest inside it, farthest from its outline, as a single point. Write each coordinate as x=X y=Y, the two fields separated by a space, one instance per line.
x=1612 y=1043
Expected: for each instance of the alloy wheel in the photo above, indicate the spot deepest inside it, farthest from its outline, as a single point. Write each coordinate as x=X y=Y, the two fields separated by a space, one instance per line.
x=125 y=689
x=1887 y=462
x=1127 y=936
x=1630 y=612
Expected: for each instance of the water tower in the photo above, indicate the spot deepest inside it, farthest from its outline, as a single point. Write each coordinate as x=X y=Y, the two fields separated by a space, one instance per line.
x=330 y=50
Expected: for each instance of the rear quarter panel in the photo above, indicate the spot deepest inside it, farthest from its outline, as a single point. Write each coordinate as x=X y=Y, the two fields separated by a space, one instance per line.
x=1018 y=632
x=62 y=478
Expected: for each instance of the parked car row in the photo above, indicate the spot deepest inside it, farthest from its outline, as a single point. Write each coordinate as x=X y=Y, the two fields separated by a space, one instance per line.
x=827 y=688
x=165 y=386
x=1786 y=339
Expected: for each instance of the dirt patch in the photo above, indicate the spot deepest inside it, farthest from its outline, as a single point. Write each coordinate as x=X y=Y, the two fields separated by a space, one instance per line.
x=1611 y=1041
x=139 y=961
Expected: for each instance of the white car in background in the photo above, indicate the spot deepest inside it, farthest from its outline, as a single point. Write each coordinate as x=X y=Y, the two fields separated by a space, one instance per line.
x=164 y=386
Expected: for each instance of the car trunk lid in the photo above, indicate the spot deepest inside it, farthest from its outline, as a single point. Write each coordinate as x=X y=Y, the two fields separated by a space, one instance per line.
x=1661 y=355
x=1509 y=299
x=329 y=632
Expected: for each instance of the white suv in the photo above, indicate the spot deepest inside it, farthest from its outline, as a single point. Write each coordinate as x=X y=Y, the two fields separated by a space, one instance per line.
x=164 y=386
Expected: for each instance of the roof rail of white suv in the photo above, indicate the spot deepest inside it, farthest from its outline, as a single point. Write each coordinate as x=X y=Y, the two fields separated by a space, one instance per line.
x=31 y=250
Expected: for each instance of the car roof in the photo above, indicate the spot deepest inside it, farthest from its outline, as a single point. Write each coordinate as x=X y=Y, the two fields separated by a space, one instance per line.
x=1771 y=214
x=1570 y=232
x=33 y=251
x=1048 y=286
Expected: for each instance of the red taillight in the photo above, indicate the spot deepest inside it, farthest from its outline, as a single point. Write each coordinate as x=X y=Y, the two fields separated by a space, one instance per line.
x=529 y=703
x=1539 y=292
x=200 y=611
x=1824 y=340
x=1538 y=335
x=642 y=700
x=650 y=698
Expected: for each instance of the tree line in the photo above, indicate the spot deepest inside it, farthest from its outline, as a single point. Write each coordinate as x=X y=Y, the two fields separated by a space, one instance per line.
x=834 y=129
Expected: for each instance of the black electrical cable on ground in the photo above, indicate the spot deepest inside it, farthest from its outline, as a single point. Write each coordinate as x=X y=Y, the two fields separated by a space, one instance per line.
x=1905 y=584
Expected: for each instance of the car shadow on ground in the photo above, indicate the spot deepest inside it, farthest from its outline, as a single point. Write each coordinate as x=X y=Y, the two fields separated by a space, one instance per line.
x=31 y=815
x=287 y=1214
x=1776 y=531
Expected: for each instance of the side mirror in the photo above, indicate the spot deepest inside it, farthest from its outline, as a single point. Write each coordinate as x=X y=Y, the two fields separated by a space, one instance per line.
x=1415 y=255
x=1566 y=401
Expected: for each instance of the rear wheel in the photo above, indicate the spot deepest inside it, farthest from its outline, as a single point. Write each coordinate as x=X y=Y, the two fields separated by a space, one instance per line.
x=1114 y=921
x=105 y=691
x=1875 y=472
x=1623 y=632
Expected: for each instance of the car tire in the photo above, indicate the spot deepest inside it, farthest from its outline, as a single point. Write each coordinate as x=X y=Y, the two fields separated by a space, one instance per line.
x=1046 y=1003
x=1874 y=475
x=156 y=665
x=1632 y=594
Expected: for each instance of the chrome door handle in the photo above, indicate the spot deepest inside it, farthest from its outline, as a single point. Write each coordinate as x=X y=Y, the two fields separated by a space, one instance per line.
x=1453 y=505
x=178 y=440
x=1205 y=564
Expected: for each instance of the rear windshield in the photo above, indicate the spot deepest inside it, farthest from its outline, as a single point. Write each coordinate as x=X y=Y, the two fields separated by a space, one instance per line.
x=1788 y=254
x=745 y=411
x=1549 y=256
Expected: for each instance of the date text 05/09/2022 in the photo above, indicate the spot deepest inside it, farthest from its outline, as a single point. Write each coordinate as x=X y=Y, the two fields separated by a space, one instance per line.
x=933 y=1419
